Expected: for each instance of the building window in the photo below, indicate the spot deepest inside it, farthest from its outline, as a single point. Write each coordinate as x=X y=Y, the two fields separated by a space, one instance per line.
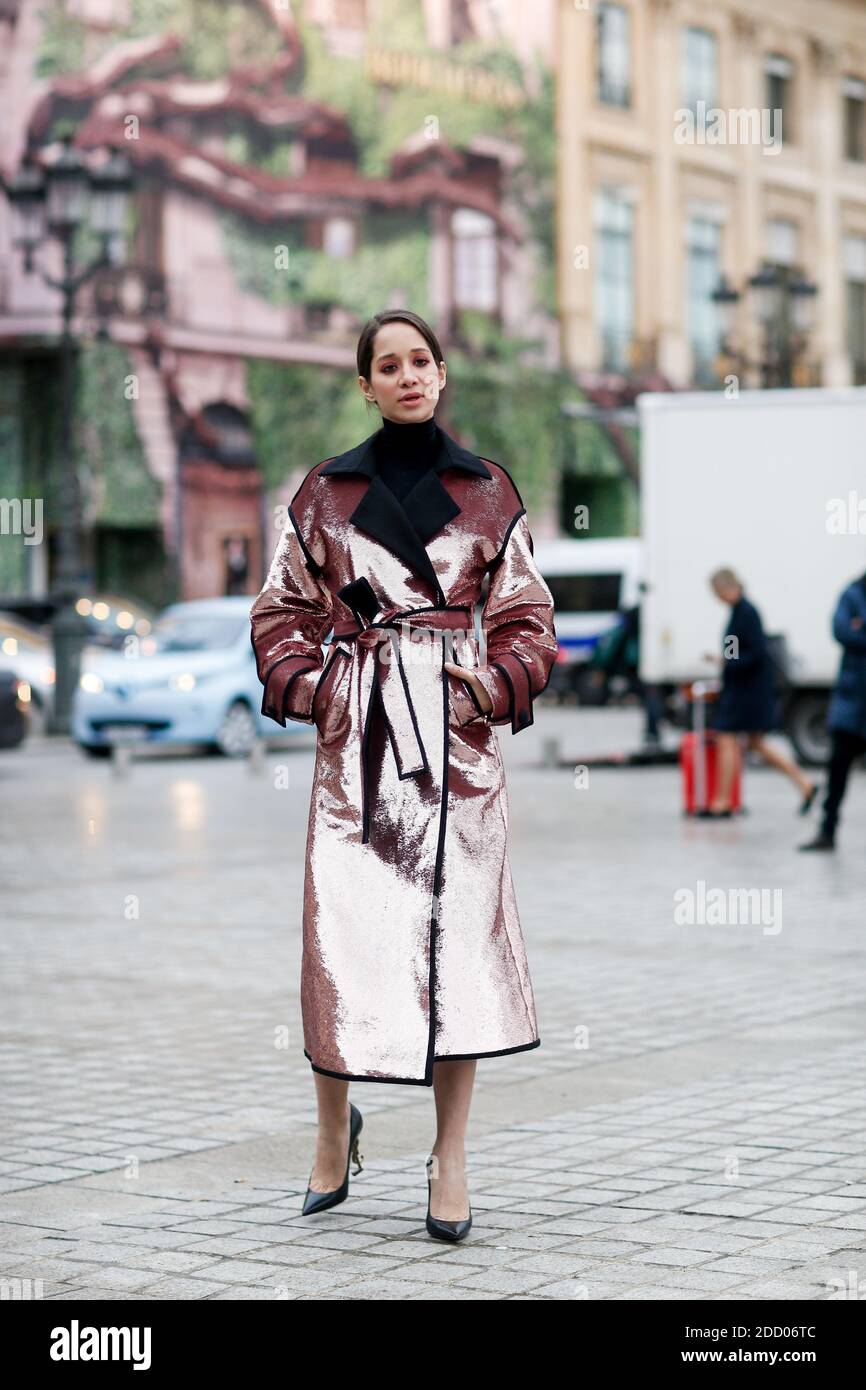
x=778 y=79
x=782 y=238
x=613 y=55
x=703 y=253
x=614 y=277
x=338 y=238
x=854 y=261
x=854 y=111
x=476 y=261
x=700 y=68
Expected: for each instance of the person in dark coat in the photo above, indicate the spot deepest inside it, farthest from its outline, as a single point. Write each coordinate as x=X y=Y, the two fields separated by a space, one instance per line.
x=618 y=654
x=747 y=702
x=846 y=716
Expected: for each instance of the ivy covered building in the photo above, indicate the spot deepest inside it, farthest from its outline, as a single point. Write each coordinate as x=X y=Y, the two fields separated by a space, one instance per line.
x=297 y=167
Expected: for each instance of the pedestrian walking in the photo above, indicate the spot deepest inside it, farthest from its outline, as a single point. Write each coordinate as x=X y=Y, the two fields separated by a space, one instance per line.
x=746 y=706
x=414 y=964
x=846 y=716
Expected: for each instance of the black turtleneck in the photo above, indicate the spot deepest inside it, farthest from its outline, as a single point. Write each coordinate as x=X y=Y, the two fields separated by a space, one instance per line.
x=405 y=451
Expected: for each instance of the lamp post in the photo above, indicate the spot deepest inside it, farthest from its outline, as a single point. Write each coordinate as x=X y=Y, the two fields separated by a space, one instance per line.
x=53 y=200
x=783 y=302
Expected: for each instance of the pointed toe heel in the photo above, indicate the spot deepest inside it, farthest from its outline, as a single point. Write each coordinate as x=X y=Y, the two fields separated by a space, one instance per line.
x=321 y=1201
x=445 y=1230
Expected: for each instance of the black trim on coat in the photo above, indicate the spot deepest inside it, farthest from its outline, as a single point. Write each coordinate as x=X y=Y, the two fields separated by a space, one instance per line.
x=499 y=1052
x=437 y=867
x=428 y=608
x=528 y=674
x=511 y=480
x=512 y=696
x=312 y=562
x=531 y=719
x=511 y=525
x=403 y=776
x=287 y=713
x=361 y=597
x=383 y=1080
x=293 y=656
x=469 y=690
x=375 y=694
x=417 y=1080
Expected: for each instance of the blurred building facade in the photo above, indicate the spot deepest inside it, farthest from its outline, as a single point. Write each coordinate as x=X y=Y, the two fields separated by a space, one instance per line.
x=515 y=172
x=655 y=205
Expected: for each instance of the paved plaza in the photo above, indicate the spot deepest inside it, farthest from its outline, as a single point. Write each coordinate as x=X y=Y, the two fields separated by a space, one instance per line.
x=693 y=1124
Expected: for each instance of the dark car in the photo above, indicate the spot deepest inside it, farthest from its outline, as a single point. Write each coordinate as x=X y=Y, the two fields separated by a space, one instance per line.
x=14 y=709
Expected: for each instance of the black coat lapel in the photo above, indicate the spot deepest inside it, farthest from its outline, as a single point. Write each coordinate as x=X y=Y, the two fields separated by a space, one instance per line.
x=381 y=515
x=405 y=526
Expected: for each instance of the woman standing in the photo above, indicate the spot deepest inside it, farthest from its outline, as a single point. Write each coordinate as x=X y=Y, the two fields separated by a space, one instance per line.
x=413 y=958
x=747 y=702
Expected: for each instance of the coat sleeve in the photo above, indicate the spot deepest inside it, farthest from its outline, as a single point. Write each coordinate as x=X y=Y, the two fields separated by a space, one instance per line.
x=289 y=620
x=518 y=628
x=852 y=637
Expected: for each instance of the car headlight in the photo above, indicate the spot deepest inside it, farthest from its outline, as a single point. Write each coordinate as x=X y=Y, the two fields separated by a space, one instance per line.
x=91 y=682
x=185 y=680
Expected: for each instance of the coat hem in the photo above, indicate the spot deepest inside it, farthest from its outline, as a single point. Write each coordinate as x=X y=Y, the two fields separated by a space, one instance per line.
x=421 y=1080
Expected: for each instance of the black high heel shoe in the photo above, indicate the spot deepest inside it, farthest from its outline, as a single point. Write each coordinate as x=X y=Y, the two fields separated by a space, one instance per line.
x=445 y=1230
x=320 y=1201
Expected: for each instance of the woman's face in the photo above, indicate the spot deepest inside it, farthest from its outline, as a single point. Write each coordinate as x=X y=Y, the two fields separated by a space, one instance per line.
x=404 y=380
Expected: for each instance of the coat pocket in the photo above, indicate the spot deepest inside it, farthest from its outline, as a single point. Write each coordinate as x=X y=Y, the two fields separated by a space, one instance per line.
x=463 y=704
x=331 y=696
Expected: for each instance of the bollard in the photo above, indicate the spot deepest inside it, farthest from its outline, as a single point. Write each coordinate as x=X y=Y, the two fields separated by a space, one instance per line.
x=256 y=758
x=550 y=752
x=120 y=759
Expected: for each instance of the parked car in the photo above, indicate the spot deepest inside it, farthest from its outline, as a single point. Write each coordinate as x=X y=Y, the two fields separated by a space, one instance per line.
x=112 y=617
x=27 y=650
x=14 y=709
x=193 y=679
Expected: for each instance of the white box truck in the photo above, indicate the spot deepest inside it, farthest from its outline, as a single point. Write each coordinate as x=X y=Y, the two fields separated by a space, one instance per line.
x=772 y=484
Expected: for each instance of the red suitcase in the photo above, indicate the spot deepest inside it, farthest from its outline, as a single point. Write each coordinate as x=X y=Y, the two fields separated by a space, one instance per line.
x=698 y=760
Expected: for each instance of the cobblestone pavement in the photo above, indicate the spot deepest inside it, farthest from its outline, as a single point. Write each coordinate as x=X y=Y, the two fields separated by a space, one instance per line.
x=692 y=1126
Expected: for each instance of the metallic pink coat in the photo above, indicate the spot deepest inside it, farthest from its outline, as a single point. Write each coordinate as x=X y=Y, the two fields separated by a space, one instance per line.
x=412 y=945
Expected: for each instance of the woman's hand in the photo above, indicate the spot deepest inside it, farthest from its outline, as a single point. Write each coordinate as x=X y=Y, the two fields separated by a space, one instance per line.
x=470 y=677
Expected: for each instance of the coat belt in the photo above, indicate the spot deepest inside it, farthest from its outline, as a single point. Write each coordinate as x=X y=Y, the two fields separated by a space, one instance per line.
x=389 y=678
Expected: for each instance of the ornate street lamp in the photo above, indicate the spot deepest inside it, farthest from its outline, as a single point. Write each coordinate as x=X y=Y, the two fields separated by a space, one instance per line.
x=726 y=298
x=783 y=302
x=54 y=199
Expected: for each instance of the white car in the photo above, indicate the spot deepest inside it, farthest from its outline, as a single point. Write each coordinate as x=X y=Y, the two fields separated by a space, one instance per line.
x=192 y=680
